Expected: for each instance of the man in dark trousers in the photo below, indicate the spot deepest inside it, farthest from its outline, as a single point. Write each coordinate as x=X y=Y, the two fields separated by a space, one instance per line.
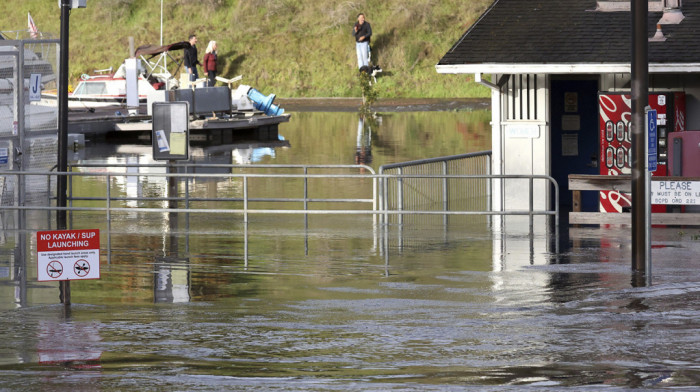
x=362 y=32
x=191 y=61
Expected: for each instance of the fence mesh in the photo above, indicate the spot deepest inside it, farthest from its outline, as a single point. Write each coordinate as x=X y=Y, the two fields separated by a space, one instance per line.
x=41 y=58
x=8 y=88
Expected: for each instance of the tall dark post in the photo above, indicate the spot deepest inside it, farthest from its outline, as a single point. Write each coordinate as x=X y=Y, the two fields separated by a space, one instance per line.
x=640 y=99
x=62 y=180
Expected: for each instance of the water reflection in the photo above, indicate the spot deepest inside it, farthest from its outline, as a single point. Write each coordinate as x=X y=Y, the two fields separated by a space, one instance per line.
x=172 y=272
x=68 y=344
x=363 y=150
x=171 y=280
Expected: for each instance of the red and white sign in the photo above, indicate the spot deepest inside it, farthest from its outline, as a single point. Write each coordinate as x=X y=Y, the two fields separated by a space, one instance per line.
x=615 y=155
x=68 y=255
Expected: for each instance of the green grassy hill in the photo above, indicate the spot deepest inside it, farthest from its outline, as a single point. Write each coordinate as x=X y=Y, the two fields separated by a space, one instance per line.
x=293 y=48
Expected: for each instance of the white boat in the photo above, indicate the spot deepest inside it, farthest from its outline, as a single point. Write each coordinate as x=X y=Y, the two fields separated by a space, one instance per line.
x=107 y=88
x=102 y=88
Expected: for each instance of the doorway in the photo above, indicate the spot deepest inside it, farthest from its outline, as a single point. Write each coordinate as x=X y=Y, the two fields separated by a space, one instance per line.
x=574 y=141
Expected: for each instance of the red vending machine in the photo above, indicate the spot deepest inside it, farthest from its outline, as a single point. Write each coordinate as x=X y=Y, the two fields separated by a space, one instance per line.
x=615 y=139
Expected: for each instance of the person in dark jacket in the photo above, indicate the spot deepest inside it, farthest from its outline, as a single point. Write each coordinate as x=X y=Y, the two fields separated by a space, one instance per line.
x=191 y=61
x=209 y=65
x=363 y=33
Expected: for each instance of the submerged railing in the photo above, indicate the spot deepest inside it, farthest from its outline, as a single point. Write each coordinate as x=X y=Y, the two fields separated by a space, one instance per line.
x=408 y=198
x=452 y=183
x=395 y=194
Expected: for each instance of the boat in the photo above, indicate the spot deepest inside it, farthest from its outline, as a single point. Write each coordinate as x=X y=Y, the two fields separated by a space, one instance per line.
x=106 y=88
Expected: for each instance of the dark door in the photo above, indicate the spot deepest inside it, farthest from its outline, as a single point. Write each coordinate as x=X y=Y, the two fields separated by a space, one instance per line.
x=574 y=145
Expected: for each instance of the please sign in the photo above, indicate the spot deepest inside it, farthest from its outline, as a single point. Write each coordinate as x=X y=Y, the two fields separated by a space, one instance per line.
x=675 y=192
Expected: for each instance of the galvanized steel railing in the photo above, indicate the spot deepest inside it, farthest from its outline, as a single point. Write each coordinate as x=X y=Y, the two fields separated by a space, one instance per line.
x=178 y=174
x=412 y=194
x=437 y=184
x=406 y=191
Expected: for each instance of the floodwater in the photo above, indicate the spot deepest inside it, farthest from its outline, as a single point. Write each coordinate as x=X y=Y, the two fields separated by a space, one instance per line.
x=282 y=304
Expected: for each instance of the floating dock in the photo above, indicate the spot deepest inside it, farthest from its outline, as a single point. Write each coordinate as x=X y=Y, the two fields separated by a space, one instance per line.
x=116 y=121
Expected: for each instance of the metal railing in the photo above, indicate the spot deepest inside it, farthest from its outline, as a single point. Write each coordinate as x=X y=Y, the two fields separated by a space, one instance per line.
x=437 y=184
x=175 y=189
x=411 y=200
x=182 y=178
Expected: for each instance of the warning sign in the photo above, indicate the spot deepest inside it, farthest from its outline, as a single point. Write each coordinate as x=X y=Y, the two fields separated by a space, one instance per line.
x=54 y=269
x=68 y=254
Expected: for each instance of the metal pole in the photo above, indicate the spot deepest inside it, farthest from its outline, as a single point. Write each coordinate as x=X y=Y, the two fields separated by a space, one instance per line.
x=640 y=99
x=61 y=183
x=161 y=22
x=647 y=200
x=306 y=208
x=531 y=204
x=647 y=224
x=445 y=192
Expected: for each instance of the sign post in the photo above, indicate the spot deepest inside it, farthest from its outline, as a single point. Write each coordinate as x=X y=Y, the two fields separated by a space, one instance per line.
x=650 y=163
x=652 y=140
x=62 y=180
x=64 y=255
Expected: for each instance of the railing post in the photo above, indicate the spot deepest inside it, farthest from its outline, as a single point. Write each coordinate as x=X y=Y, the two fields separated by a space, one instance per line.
x=399 y=194
x=70 y=194
x=445 y=190
x=489 y=183
x=385 y=198
x=109 y=219
x=187 y=206
x=306 y=188
x=306 y=206
x=531 y=186
x=556 y=206
x=245 y=198
x=374 y=199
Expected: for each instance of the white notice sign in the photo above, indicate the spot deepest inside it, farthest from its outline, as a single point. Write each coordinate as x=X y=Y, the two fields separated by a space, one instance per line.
x=529 y=131
x=35 y=87
x=675 y=192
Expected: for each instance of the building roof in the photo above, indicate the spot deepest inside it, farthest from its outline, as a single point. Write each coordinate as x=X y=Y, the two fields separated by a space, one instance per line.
x=569 y=36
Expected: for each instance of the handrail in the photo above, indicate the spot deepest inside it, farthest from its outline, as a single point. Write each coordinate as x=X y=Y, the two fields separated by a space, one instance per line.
x=433 y=160
x=222 y=165
x=244 y=176
x=174 y=199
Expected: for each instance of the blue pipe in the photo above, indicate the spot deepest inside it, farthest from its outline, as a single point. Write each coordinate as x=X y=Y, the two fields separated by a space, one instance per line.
x=263 y=103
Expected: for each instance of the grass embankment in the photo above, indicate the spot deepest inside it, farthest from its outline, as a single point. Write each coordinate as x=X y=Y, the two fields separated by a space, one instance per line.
x=294 y=48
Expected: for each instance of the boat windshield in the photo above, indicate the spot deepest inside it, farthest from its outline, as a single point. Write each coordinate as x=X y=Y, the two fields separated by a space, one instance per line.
x=91 y=88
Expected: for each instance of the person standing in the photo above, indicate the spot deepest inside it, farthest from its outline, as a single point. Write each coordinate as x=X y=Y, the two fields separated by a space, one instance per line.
x=363 y=33
x=191 y=61
x=209 y=65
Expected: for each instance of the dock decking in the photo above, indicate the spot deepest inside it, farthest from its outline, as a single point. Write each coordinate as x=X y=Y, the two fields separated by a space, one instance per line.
x=108 y=119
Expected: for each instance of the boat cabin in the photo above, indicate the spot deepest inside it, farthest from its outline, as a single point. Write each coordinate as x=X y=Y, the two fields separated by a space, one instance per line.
x=107 y=88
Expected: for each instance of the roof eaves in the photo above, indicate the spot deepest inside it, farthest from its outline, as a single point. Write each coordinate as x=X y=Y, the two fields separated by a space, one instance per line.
x=562 y=68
